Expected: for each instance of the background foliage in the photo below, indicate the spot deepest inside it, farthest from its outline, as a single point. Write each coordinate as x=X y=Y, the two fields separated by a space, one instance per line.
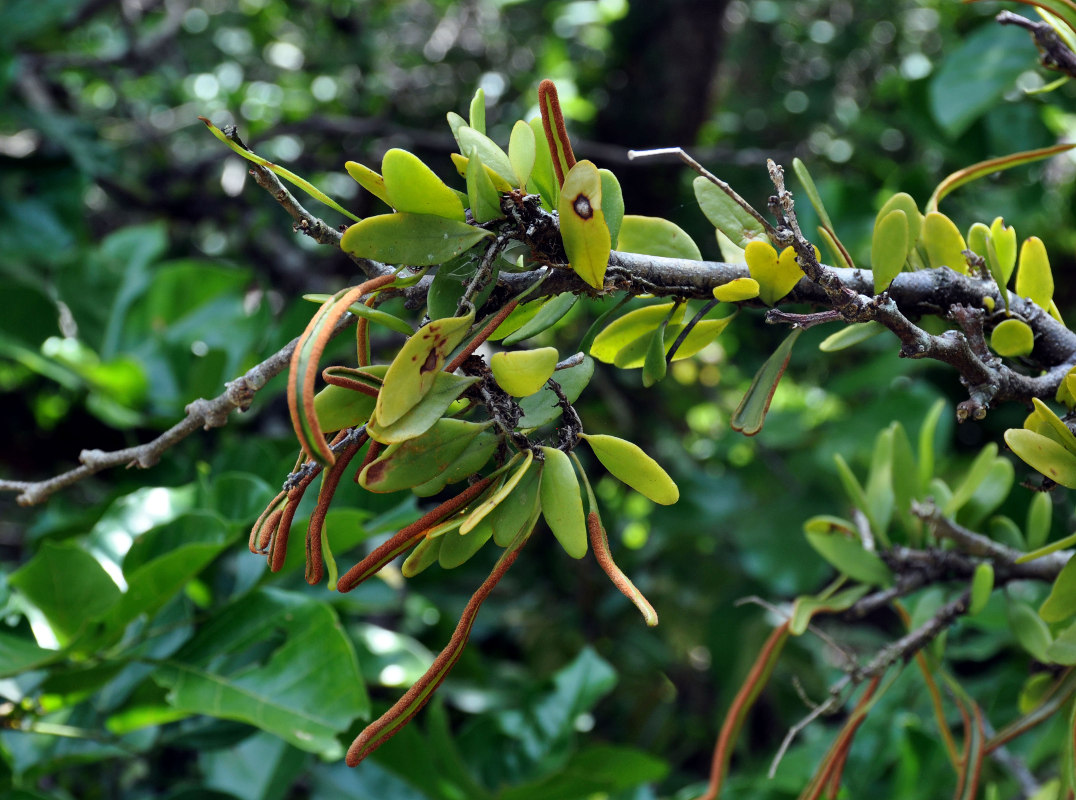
x=141 y=269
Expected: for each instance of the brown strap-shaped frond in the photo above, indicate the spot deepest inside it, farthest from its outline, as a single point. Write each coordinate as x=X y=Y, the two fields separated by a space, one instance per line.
x=556 y=133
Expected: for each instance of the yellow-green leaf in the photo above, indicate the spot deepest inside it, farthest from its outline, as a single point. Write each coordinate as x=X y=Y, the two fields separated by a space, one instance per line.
x=547 y=313
x=423 y=556
x=1043 y=454
x=850 y=335
x=522 y=151
x=1061 y=604
x=368 y=180
x=1012 y=338
x=701 y=335
x=1034 y=279
x=521 y=373
x=582 y=223
x=518 y=510
x=478 y=111
x=415 y=188
x=1060 y=432
x=543 y=180
x=461 y=162
x=736 y=290
x=654 y=236
x=726 y=214
x=626 y=329
x=422 y=416
x=1003 y=238
x=629 y=464
x=485 y=508
x=417 y=239
x=414 y=370
x=562 y=503
x=889 y=248
x=458 y=548
x=944 y=243
x=337 y=408
x=912 y=215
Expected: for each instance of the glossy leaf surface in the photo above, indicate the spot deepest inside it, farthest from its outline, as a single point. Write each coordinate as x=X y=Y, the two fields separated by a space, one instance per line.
x=582 y=223
x=562 y=503
x=654 y=236
x=521 y=373
x=416 y=239
x=413 y=187
x=628 y=463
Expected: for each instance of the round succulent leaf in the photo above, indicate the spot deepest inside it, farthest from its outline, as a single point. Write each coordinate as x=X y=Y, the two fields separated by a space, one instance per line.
x=415 y=188
x=413 y=372
x=654 y=236
x=913 y=217
x=368 y=180
x=562 y=502
x=419 y=240
x=944 y=243
x=416 y=461
x=544 y=407
x=1012 y=338
x=521 y=373
x=1034 y=278
x=1044 y=455
x=889 y=248
x=736 y=290
x=627 y=462
x=582 y=223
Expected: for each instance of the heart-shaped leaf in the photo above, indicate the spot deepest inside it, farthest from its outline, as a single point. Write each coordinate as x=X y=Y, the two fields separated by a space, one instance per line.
x=419 y=240
x=627 y=462
x=776 y=275
x=582 y=223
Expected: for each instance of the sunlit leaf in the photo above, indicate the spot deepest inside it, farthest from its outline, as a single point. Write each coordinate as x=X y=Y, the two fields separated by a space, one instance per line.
x=630 y=464
x=484 y=199
x=488 y=505
x=492 y=155
x=1045 y=455
x=369 y=180
x=944 y=243
x=1034 y=279
x=521 y=373
x=736 y=290
x=889 y=248
x=522 y=151
x=543 y=180
x=626 y=329
x=415 y=188
x=776 y=275
x=478 y=111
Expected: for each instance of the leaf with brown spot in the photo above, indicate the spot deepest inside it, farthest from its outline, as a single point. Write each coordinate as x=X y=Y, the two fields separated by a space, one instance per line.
x=414 y=370
x=582 y=223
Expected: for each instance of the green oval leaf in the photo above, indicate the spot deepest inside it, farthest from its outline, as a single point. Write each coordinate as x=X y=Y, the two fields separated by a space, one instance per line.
x=543 y=180
x=1004 y=240
x=338 y=408
x=982 y=584
x=424 y=555
x=487 y=507
x=422 y=416
x=562 y=503
x=548 y=314
x=1061 y=604
x=419 y=240
x=480 y=449
x=416 y=461
x=457 y=548
x=519 y=510
x=912 y=216
x=628 y=463
x=1043 y=454
x=626 y=329
x=726 y=214
x=889 y=248
x=654 y=365
x=414 y=188
x=582 y=223
x=654 y=236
